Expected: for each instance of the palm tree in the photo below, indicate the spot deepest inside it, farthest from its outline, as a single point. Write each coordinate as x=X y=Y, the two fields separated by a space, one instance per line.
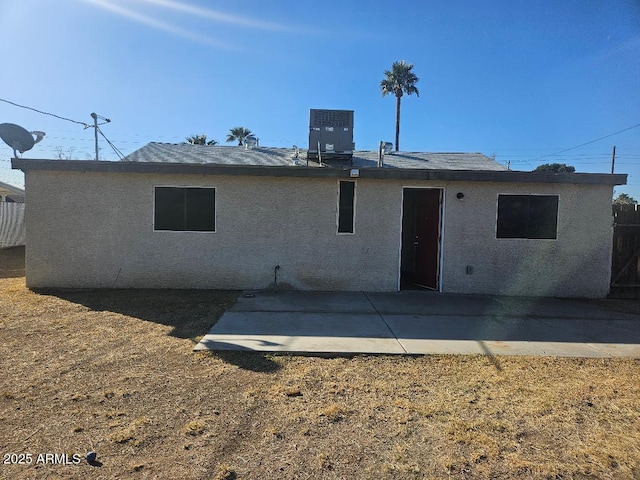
x=239 y=134
x=200 y=140
x=398 y=81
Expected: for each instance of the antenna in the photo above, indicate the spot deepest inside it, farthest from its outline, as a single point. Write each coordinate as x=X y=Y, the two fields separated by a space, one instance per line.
x=95 y=127
x=18 y=138
x=21 y=140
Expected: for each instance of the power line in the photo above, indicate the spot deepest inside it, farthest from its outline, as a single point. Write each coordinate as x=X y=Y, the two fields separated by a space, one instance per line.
x=115 y=149
x=586 y=143
x=85 y=125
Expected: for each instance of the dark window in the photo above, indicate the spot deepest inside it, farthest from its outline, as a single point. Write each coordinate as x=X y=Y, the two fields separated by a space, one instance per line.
x=345 y=207
x=185 y=209
x=527 y=216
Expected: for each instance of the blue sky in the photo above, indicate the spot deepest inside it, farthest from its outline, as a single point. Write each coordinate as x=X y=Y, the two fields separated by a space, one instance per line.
x=520 y=80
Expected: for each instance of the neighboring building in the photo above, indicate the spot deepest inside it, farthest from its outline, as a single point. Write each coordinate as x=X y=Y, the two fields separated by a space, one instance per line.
x=192 y=216
x=9 y=193
x=12 y=225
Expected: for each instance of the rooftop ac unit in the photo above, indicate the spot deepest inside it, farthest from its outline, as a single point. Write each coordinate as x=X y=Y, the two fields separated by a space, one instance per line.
x=330 y=134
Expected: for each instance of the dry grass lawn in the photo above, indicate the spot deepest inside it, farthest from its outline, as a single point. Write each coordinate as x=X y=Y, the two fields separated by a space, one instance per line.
x=114 y=372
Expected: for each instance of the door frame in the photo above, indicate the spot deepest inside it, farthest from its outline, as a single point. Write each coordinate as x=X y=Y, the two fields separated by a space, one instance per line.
x=441 y=228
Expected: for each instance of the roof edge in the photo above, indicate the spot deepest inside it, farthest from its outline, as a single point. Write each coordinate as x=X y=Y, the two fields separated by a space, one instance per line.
x=12 y=188
x=27 y=165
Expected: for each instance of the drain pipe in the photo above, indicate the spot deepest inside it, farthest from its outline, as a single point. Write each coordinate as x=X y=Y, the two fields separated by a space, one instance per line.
x=275 y=275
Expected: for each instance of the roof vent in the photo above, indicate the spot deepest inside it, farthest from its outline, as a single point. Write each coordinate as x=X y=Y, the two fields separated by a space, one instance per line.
x=251 y=141
x=330 y=134
x=295 y=156
x=385 y=149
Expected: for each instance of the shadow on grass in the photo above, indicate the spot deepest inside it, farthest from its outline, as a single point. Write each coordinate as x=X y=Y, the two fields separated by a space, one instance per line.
x=190 y=313
x=12 y=262
x=256 y=362
x=489 y=354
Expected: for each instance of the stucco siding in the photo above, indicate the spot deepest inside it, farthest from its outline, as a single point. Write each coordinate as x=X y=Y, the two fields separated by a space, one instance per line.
x=577 y=263
x=95 y=229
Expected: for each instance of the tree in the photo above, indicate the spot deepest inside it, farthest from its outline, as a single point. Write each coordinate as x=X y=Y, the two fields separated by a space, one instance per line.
x=398 y=81
x=624 y=199
x=200 y=140
x=238 y=134
x=62 y=155
x=555 y=168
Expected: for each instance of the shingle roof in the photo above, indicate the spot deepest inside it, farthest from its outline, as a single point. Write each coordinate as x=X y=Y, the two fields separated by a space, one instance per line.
x=273 y=156
x=220 y=155
x=430 y=161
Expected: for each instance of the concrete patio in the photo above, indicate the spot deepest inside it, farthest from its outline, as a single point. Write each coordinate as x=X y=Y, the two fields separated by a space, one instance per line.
x=420 y=322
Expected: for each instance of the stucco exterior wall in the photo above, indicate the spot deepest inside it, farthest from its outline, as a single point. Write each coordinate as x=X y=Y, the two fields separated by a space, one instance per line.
x=96 y=230
x=577 y=263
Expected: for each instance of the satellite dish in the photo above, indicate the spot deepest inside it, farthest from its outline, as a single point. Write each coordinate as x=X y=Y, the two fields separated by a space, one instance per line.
x=19 y=138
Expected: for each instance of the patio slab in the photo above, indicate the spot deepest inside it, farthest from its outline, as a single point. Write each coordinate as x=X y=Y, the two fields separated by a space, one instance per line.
x=420 y=323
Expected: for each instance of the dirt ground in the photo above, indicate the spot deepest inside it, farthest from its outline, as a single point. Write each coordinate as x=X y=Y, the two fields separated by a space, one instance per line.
x=114 y=372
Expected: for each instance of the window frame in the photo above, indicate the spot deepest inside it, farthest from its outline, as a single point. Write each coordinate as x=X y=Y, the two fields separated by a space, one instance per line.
x=527 y=226
x=339 y=209
x=186 y=187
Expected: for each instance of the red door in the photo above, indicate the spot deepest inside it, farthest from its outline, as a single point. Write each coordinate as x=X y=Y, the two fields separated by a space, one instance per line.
x=427 y=241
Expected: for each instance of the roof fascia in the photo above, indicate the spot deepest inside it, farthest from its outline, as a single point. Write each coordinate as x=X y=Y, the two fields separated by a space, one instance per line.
x=504 y=176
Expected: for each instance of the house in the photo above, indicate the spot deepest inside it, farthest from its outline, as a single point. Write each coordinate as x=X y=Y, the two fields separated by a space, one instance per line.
x=193 y=216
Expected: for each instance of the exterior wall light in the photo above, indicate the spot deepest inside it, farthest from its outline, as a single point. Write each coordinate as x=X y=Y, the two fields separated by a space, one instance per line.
x=460 y=195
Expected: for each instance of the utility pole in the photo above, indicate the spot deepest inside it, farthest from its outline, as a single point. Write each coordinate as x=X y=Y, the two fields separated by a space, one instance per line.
x=95 y=117
x=613 y=159
x=95 y=130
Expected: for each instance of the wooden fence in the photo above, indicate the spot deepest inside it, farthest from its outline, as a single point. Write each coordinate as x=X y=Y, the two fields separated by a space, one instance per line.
x=625 y=265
